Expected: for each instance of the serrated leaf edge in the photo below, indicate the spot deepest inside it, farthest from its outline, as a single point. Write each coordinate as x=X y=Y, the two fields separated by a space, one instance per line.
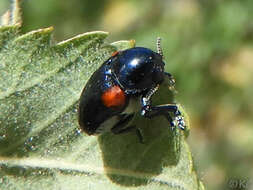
x=84 y=35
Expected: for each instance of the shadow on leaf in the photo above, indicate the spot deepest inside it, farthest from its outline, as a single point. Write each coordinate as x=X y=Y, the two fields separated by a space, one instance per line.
x=130 y=163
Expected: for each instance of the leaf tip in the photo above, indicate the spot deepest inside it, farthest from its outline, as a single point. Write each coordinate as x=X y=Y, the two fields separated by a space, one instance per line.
x=124 y=44
x=132 y=43
x=49 y=29
x=12 y=16
x=5 y=20
x=16 y=13
x=100 y=34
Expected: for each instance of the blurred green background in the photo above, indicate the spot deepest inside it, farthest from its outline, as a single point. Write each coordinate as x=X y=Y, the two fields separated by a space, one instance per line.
x=208 y=47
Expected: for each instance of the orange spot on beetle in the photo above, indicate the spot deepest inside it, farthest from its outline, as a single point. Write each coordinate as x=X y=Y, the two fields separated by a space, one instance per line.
x=115 y=53
x=114 y=97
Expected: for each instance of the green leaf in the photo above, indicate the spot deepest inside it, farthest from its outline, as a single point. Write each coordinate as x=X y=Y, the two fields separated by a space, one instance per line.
x=41 y=146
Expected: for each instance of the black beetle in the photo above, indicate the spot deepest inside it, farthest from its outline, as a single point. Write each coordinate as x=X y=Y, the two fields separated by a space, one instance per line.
x=122 y=87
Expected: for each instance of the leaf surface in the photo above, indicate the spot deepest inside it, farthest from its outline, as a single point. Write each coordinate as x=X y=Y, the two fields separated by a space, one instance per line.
x=41 y=146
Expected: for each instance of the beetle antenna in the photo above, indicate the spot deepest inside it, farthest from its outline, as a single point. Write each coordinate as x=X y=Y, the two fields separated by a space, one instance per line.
x=158 y=45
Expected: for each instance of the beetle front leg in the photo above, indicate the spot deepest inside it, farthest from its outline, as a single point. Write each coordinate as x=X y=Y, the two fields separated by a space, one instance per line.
x=150 y=111
x=165 y=110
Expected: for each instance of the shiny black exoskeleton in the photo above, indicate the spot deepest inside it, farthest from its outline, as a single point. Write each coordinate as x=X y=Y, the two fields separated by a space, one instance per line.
x=123 y=86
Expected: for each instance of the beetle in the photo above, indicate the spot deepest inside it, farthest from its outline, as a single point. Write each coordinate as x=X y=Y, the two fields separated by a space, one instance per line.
x=122 y=87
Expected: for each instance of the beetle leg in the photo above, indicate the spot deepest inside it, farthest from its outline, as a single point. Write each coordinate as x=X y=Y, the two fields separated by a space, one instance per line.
x=150 y=111
x=132 y=128
x=122 y=123
x=165 y=110
x=120 y=127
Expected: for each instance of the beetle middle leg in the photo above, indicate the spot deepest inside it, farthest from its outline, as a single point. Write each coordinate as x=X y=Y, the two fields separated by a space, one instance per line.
x=166 y=110
x=121 y=127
